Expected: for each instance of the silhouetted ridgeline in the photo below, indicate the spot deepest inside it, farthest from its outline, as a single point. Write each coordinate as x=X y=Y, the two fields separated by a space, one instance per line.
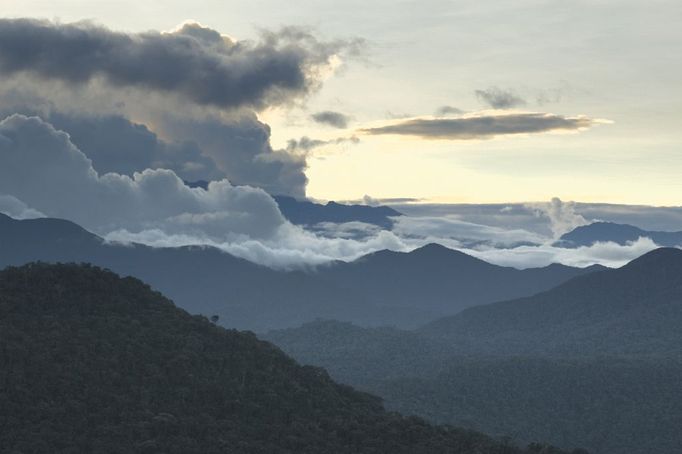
x=633 y=310
x=594 y=362
x=96 y=363
x=403 y=289
x=587 y=235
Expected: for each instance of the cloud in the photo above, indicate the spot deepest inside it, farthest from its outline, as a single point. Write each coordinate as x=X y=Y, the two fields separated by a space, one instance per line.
x=13 y=207
x=195 y=62
x=195 y=145
x=43 y=173
x=240 y=147
x=465 y=234
x=290 y=248
x=42 y=168
x=444 y=111
x=330 y=118
x=294 y=248
x=306 y=144
x=498 y=98
x=115 y=144
x=608 y=254
x=562 y=215
x=483 y=125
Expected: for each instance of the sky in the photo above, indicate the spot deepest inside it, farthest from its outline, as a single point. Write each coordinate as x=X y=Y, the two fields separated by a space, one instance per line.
x=494 y=127
x=613 y=62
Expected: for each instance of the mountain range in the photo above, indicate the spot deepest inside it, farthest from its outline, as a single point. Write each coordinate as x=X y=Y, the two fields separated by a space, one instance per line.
x=97 y=363
x=592 y=362
x=622 y=234
x=633 y=310
x=383 y=288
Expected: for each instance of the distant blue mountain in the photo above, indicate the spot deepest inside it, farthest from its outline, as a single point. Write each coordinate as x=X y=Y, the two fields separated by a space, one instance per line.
x=384 y=288
x=587 y=235
x=304 y=212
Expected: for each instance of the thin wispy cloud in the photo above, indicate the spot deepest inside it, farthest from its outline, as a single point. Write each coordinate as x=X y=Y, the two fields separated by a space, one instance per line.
x=483 y=125
x=443 y=111
x=499 y=98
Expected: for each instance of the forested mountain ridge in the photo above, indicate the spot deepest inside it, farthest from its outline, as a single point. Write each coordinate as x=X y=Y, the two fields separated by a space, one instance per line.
x=441 y=279
x=595 y=361
x=634 y=310
x=97 y=363
x=401 y=289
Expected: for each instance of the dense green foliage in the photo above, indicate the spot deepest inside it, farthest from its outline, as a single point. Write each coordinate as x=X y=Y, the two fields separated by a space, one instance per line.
x=633 y=310
x=607 y=404
x=95 y=363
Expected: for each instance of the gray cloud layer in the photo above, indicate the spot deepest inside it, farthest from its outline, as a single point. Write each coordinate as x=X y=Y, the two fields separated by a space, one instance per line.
x=484 y=126
x=241 y=148
x=331 y=118
x=196 y=62
x=195 y=145
x=498 y=98
x=40 y=167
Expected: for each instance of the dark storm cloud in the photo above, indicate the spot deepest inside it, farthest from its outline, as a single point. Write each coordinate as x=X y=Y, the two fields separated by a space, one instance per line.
x=114 y=143
x=241 y=148
x=42 y=168
x=331 y=118
x=498 y=98
x=482 y=127
x=194 y=146
x=195 y=62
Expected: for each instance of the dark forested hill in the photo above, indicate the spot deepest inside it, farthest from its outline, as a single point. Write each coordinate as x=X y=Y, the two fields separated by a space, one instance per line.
x=97 y=363
x=587 y=235
x=594 y=362
x=635 y=310
x=386 y=288
x=607 y=405
x=360 y=355
x=610 y=405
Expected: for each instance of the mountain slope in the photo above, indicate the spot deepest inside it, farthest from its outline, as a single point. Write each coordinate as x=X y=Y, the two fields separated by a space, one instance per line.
x=358 y=355
x=201 y=280
x=587 y=235
x=440 y=280
x=96 y=363
x=594 y=362
x=636 y=309
x=610 y=405
x=385 y=288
